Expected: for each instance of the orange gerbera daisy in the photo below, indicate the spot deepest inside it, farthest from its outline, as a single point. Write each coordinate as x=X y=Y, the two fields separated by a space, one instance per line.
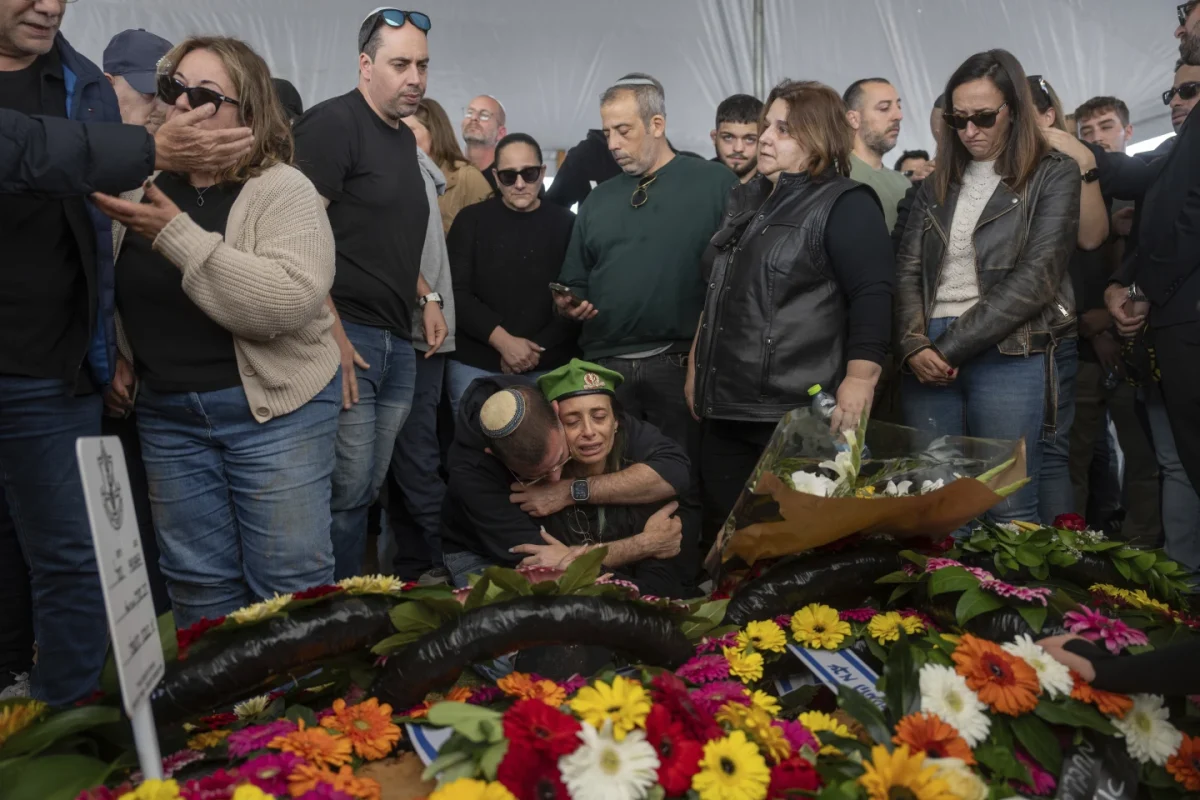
x=1185 y=765
x=307 y=777
x=929 y=734
x=315 y=745
x=1005 y=682
x=520 y=685
x=1109 y=703
x=367 y=725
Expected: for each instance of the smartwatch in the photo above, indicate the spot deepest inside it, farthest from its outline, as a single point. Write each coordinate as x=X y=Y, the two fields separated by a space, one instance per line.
x=431 y=298
x=581 y=491
x=1092 y=175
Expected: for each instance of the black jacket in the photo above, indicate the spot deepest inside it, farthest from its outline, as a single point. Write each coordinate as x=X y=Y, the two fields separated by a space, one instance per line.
x=774 y=316
x=477 y=515
x=1023 y=244
x=588 y=161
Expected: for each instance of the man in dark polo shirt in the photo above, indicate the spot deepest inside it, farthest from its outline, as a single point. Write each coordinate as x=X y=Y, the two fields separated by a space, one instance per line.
x=363 y=161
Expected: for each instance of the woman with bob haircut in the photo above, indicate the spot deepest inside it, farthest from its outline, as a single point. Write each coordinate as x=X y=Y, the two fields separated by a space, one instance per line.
x=221 y=283
x=800 y=291
x=983 y=298
x=465 y=185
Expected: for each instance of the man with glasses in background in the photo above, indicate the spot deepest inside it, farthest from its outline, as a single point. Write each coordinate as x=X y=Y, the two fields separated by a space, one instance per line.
x=363 y=160
x=482 y=127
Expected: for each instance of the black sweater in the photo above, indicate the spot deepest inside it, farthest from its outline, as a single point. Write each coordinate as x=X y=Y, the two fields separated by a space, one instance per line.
x=502 y=262
x=1169 y=671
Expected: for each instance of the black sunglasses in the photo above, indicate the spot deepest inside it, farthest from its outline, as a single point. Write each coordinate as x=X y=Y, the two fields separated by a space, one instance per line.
x=508 y=177
x=1185 y=9
x=982 y=119
x=393 y=18
x=643 y=185
x=1186 y=91
x=170 y=88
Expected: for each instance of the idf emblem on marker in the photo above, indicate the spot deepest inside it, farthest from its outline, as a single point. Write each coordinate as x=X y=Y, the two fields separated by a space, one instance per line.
x=110 y=490
x=592 y=381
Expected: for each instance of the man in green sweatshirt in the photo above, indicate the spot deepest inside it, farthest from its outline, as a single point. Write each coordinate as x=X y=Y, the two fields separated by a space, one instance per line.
x=635 y=256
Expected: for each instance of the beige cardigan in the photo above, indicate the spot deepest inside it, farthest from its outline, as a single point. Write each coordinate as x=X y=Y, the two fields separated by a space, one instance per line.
x=265 y=281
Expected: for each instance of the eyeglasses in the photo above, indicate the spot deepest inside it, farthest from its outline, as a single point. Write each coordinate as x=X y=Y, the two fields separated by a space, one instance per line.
x=1185 y=10
x=1186 y=91
x=642 y=186
x=170 y=88
x=982 y=119
x=508 y=177
x=393 y=18
x=482 y=116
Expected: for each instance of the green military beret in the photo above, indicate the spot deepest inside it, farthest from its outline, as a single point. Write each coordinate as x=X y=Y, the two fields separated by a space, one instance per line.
x=579 y=377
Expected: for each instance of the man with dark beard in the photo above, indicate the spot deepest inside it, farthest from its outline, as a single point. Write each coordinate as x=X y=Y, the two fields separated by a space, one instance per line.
x=873 y=111
x=736 y=135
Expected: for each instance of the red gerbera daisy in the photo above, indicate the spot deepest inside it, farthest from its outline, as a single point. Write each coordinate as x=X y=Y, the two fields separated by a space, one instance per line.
x=541 y=727
x=315 y=592
x=530 y=774
x=678 y=755
x=791 y=775
x=186 y=637
x=669 y=691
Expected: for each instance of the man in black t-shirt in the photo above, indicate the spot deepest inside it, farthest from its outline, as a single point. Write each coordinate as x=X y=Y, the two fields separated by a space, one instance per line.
x=363 y=161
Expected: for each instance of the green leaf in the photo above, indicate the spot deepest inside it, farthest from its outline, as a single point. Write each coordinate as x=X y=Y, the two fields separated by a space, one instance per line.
x=951 y=579
x=657 y=792
x=1038 y=739
x=509 y=580
x=57 y=777
x=1074 y=714
x=1041 y=572
x=583 y=571
x=445 y=608
x=297 y=713
x=867 y=713
x=1029 y=557
x=899 y=576
x=393 y=643
x=57 y=727
x=166 y=636
x=415 y=617
x=975 y=601
x=1123 y=568
x=490 y=761
x=914 y=557
x=1001 y=761
x=1144 y=561
x=446 y=761
x=903 y=694
x=479 y=593
x=476 y=723
x=704 y=619
x=898 y=593
x=1034 y=616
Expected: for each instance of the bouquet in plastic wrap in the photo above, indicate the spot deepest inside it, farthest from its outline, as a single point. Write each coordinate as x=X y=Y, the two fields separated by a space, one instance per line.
x=811 y=488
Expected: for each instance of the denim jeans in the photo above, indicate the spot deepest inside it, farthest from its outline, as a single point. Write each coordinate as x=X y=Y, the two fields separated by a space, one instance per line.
x=994 y=397
x=1056 y=495
x=464 y=564
x=48 y=521
x=416 y=513
x=241 y=507
x=1180 y=503
x=366 y=436
x=459 y=377
x=653 y=391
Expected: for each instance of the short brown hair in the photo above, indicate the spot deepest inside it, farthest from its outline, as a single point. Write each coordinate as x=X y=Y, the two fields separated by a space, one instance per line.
x=525 y=447
x=1102 y=105
x=443 y=146
x=258 y=103
x=817 y=119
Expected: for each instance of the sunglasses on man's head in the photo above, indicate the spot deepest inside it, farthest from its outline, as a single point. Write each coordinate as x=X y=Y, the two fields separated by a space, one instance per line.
x=982 y=119
x=508 y=177
x=394 y=18
x=1186 y=91
x=170 y=88
x=1186 y=9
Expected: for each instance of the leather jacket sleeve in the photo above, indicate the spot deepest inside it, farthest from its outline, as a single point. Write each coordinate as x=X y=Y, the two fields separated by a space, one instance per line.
x=909 y=312
x=1034 y=279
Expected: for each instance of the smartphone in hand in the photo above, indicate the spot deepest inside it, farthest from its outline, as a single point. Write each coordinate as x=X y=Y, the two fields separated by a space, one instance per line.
x=565 y=291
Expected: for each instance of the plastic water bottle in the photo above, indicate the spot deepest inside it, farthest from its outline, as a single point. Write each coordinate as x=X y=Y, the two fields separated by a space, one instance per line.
x=1111 y=380
x=823 y=404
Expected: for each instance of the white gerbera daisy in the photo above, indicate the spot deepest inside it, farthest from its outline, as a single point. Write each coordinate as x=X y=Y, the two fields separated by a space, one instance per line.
x=1148 y=734
x=809 y=483
x=263 y=610
x=248 y=709
x=1054 y=677
x=605 y=769
x=944 y=692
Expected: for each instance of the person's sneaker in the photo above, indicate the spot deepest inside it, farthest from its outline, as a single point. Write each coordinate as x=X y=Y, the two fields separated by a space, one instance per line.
x=434 y=577
x=18 y=688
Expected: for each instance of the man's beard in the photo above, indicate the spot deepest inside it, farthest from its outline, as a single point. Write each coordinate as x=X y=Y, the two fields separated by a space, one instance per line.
x=740 y=169
x=878 y=142
x=1189 y=47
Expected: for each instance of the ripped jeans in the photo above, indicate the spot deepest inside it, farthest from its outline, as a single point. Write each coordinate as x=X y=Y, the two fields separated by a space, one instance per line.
x=241 y=507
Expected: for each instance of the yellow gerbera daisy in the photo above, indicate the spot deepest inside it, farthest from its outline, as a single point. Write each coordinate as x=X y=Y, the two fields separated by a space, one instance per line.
x=732 y=769
x=745 y=666
x=902 y=773
x=765 y=635
x=762 y=700
x=19 y=716
x=248 y=791
x=624 y=702
x=154 y=790
x=817 y=721
x=819 y=627
x=756 y=724
x=912 y=625
x=248 y=709
x=260 y=611
x=471 y=789
x=885 y=628
x=372 y=584
x=207 y=740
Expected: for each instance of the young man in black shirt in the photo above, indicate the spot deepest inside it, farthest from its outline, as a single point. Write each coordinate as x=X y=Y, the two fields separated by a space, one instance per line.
x=363 y=161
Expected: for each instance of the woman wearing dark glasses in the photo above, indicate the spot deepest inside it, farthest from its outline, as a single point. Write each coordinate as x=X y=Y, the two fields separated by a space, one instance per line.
x=221 y=282
x=983 y=298
x=504 y=253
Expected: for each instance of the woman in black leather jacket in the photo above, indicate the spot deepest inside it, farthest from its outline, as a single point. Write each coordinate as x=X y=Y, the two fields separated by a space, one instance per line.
x=800 y=288
x=982 y=293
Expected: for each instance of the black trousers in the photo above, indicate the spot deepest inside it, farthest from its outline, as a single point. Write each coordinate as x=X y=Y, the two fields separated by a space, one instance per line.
x=1177 y=349
x=729 y=451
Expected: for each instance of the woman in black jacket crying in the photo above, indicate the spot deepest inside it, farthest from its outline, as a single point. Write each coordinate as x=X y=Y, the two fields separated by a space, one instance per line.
x=800 y=291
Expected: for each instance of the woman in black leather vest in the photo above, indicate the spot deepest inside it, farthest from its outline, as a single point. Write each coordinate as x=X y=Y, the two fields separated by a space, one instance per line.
x=799 y=291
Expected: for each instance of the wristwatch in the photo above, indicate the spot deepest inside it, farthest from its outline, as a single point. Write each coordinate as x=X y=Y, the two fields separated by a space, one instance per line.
x=430 y=298
x=1092 y=175
x=581 y=491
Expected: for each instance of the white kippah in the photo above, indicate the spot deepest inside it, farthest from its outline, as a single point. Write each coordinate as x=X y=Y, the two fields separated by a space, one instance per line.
x=502 y=413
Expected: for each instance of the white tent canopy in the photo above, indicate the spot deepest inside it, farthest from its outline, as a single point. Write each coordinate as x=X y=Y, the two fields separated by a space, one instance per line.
x=549 y=60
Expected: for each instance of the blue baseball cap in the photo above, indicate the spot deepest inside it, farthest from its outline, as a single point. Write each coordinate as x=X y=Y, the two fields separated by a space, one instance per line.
x=134 y=55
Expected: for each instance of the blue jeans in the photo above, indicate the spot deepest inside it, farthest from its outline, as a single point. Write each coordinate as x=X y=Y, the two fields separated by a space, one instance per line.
x=366 y=436
x=459 y=377
x=1056 y=494
x=994 y=397
x=47 y=519
x=241 y=508
x=464 y=564
x=417 y=522
x=1180 y=503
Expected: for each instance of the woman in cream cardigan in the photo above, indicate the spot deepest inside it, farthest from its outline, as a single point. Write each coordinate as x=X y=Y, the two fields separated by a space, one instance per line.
x=228 y=354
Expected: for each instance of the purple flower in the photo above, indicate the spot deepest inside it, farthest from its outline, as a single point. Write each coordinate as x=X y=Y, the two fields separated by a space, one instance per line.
x=244 y=742
x=485 y=695
x=857 y=615
x=270 y=772
x=1023 y=593
x=1043 y=781
x=1096 y=627
x=783 y=621
x=708 y=645
x=797 y=735
x=709 y=699
x=704 y=669
x=573 y=685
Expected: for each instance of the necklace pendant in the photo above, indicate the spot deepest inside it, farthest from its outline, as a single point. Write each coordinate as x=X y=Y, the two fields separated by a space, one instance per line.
x=200 y=201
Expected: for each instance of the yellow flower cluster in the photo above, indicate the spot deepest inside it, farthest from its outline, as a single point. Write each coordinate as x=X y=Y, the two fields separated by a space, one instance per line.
x=885 y=628
x=1136 y=598
x=261 y=611
x=731 y=768
x=625 y=702
x=372 y=584
x=818 y=627
x=817 y=721
x=19 y=716
x=756 y=724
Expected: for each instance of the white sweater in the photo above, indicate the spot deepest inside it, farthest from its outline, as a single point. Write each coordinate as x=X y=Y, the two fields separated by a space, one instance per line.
x=958 y=288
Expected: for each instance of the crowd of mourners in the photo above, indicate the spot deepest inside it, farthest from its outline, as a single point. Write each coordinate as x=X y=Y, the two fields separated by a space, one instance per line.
x=332 y=341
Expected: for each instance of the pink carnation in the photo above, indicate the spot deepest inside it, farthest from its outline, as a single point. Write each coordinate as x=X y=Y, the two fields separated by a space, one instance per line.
x=857 y=615
x=783 y=620
x=270 y=772
x=708 y=645
x=797 y=735
x=934 y=564
x=704 y=669
x=1043 y=781
x=573 y=685
x=244 y=742
x=1096 y=627
x=709 y=699
x=1023 y=593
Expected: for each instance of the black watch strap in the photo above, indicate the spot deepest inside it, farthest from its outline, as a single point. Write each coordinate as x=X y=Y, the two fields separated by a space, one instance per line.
x=1092 y=175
